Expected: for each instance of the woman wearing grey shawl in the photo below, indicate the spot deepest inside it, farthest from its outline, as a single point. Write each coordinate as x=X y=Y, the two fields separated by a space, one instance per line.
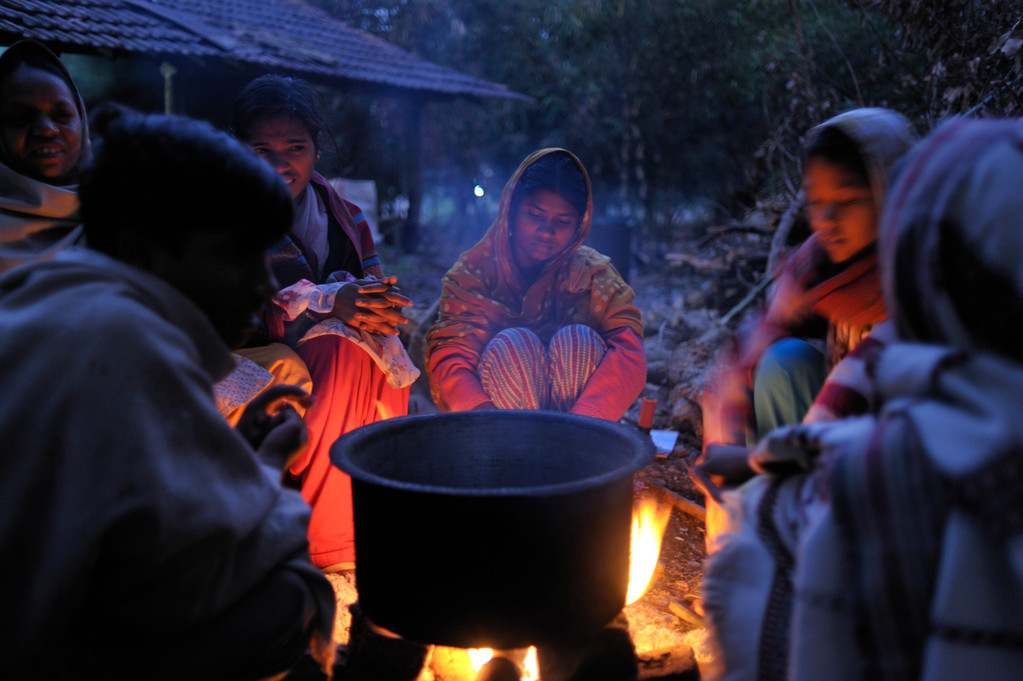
x=44 y=142
x=891 y=546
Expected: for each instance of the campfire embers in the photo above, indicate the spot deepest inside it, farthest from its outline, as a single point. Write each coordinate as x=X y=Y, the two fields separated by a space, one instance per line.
x=505 y=665
x=612 y=655
x=607 y=656
x=499 y=669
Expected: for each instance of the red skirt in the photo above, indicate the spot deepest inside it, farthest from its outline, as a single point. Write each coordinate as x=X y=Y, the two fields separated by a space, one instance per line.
x=349 y=391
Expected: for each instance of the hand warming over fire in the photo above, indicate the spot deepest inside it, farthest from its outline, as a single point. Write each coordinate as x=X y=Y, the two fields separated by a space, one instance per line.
x=373 y=305
x=273 y=427
x=721 y=466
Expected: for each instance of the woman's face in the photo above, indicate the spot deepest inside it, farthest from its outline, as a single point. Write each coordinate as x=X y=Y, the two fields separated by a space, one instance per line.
x=840 y=208
x=40 y=126
x=287 y=145
x=544 y=225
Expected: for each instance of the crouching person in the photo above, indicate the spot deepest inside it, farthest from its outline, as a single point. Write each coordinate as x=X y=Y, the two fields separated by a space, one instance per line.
x=889 y=545
x=143 y=537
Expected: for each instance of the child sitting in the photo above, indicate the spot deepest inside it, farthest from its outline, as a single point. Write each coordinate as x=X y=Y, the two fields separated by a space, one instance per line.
x=529 y=317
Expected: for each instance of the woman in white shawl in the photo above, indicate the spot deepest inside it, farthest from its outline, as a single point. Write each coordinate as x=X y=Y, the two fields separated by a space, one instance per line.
x=44 y=142
x=891 y=546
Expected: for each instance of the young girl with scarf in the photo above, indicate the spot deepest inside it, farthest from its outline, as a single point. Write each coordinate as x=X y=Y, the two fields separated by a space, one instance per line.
x=770 y=373
x=890 y=546
x=336 y=308
x=44 y=142
x=530 y=318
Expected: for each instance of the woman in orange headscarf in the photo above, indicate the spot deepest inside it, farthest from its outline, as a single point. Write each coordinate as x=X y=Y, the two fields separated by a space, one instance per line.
x=529 y=317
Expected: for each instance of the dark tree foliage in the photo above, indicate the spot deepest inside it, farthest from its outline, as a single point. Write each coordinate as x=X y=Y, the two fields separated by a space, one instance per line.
x=972 y=48
x=929 y=59
x=673 y=101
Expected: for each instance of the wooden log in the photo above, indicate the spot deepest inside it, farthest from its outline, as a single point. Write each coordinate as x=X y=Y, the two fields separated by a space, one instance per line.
x=698 y=263
x=679 y=502
x=372 y=656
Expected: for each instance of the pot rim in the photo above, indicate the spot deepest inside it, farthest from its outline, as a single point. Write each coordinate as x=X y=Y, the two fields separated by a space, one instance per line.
x=641 y=447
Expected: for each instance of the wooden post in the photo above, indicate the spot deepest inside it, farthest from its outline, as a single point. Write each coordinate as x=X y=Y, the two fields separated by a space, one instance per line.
x=167 y=70
x=412 y=174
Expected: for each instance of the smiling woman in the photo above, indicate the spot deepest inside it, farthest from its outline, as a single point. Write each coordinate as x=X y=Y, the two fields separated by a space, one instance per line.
x=335 y=308
x=530 y=318
x=44 y=141
x=286 y=144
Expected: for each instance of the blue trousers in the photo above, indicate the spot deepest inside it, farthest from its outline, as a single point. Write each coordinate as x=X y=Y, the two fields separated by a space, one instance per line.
x=790 y=374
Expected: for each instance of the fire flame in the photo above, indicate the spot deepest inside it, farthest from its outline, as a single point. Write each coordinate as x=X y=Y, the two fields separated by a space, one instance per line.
x=479 y=657
x=384 y=410
x=649 y=520
x=531 y=670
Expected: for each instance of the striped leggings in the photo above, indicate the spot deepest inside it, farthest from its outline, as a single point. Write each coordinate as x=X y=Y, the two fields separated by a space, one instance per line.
x=518 y=372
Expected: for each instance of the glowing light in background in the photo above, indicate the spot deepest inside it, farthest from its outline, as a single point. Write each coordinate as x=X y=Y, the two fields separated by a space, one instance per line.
x=478 y=191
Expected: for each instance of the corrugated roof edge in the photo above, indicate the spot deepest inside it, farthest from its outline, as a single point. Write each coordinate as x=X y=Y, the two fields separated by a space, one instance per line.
x=201 y=39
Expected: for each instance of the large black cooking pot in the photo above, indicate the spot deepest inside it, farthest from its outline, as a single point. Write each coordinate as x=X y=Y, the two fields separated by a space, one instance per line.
x=497 y=529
